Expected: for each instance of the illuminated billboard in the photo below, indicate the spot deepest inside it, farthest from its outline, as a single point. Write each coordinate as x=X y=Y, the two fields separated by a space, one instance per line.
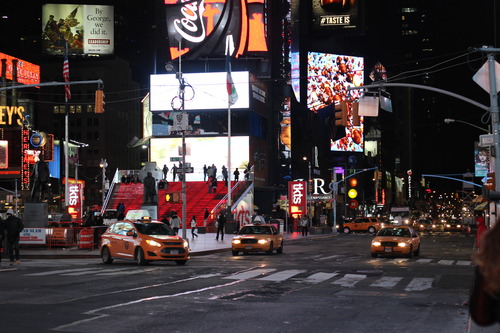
x=204 y=91
x=345 y=15
x=202 y=27
x=201 y=151
x=27 y=73
x=328 y=77
x=89 y=29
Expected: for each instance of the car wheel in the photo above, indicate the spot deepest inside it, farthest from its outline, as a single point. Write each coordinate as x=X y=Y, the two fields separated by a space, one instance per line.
x=374 y=255
x=235 y=253
x=280 y=249
x=140 y=257
x=410 y=253
x=347 y=230
x=417 y=252
x=371 y=230
x=180 y=262
x=271 y=249
x=106 y=256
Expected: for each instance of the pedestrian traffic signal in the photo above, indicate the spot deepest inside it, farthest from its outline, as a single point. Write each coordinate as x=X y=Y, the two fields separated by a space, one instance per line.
x=490 y=181
x=99 y=101
x=341 y=114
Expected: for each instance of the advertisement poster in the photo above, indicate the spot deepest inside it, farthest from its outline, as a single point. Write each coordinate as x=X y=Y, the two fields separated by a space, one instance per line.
x=32 y=236
x=338 y=15
x=328 y=78
x=88 y=29
x=481 y=160
x=202 y=27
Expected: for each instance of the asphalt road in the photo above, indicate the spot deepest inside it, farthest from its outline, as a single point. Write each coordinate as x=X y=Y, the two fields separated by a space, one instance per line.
x=328 y=284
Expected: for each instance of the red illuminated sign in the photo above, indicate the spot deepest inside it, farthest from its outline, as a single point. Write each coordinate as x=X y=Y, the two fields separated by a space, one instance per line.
x=297 y=197
x=25 y=165
x=75 y=200
x=203 y=25
x=27 y=73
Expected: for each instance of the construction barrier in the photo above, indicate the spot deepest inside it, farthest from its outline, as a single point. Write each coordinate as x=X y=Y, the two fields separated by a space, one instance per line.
x=86 y=239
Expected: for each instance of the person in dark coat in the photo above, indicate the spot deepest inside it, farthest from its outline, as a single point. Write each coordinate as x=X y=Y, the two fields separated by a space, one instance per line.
x=149 y=189
x=13 y=226
x=221 y=222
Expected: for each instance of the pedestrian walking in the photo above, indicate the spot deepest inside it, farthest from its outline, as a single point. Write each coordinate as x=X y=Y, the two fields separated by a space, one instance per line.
x=174 y=172
x=13 y=226
x=484 y=305
x=290 y=224
x=205 y=172
x=236 y=175
x=165 y=171
x=193 y=227
x=175 y=222
x=481 y=228
x=304 y=223
x=221 y=222
x=224 y=174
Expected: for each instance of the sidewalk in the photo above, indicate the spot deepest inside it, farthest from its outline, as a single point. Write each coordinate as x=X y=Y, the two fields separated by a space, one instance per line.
x=203 y=245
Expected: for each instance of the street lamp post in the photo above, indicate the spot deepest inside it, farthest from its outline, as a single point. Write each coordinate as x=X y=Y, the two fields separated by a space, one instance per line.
x=449 y=121
x=103 y=164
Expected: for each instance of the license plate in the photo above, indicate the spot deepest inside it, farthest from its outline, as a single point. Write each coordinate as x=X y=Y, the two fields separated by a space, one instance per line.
x=174 y=251
x=248 y=247
x=388 y=249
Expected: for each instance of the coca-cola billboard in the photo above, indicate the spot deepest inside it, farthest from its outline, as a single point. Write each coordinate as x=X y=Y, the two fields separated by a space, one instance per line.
x=201 y=26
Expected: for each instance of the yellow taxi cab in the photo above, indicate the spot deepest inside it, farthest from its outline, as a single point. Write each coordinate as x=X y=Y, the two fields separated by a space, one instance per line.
x=143 y=240
x=370 y=224
x=397 y=240
x=257 y=238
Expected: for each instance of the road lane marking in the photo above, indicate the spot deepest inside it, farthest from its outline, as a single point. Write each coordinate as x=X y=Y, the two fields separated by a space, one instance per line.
x=386 y=282
x=350 y=280
x=446 y=262
x=330 y=257
x=60 y=271
x=419 y=284
x=130 y=272
x=320 y=277
x=282 y=276
x=424 y=261
x=464 y=262
x=250 y=274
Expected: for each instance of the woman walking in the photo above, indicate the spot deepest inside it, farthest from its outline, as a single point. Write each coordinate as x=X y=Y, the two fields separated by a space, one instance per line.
x=193 y=227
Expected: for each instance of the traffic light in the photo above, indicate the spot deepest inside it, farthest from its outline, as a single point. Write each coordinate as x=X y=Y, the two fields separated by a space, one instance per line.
x=490 y=181
x=341 y=114
x=99 y=101
x=352 y=191
x=355 y=114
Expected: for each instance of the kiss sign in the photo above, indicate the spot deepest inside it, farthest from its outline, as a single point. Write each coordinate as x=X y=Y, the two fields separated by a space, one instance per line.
x=202 y=27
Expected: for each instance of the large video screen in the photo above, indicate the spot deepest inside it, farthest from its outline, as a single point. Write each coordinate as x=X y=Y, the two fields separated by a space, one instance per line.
x=89 y=29
x=201 y=151
x=204 y=91
x=328 y=77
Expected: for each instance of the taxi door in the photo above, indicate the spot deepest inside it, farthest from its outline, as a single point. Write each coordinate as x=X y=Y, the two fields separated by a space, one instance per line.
x=127 y=240
x=359 y=224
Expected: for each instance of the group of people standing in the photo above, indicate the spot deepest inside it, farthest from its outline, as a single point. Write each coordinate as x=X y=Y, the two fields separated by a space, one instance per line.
x=10 y=231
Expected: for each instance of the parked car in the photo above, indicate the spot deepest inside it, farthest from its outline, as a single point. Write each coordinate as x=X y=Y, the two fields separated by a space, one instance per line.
x=397 y=240
x=370 y=224
x=257 y=238
x=143 y=240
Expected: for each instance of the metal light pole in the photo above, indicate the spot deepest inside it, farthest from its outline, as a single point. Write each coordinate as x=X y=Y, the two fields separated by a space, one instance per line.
x=103 y=165
x=309 y=194
x=182 y=88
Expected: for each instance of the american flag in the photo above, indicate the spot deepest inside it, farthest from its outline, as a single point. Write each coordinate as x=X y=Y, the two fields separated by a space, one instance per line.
x=66 y=74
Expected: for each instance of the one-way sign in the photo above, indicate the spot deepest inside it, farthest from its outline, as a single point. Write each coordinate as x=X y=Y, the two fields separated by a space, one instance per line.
x=486 y=140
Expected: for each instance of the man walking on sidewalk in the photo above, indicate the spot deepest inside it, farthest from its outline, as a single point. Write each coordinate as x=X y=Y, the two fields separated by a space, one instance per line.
x=14 y=226
x=221 y=222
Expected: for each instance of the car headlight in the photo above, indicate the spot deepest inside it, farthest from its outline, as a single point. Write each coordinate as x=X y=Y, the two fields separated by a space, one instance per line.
x=433 y=225
x=262 y=241
x=185 y=243
x=447 y=226
x=402 y=244
x=236 y=241
x=376 y=243
x=152 y=242
x=459 y=226
x=421 y=226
